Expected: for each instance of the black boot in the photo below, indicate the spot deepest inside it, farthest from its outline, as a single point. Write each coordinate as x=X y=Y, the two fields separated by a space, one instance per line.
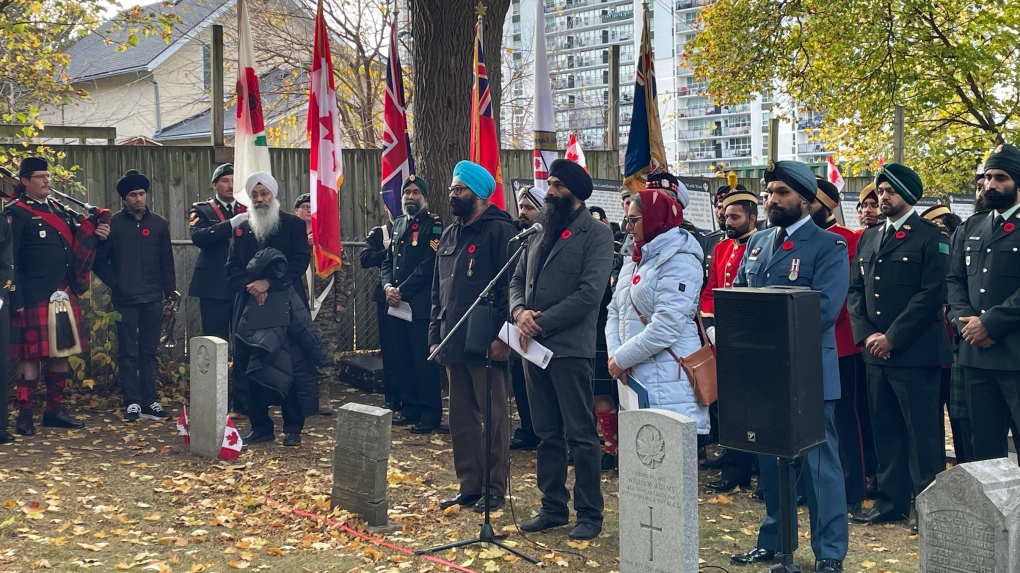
x=25 y=426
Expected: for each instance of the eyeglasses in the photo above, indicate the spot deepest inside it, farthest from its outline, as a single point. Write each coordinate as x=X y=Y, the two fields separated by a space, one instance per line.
x=458 y=189
x=632 y=220
x=40 y=176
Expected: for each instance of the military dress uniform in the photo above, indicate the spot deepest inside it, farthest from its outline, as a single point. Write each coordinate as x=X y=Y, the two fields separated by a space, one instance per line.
x=210 y=230
x=984 y=281
x=409 y=266
x=806 y=256
x=897 y=287
x=712 y=240
x=736 y=466
x=44 y=262
x=853 y=419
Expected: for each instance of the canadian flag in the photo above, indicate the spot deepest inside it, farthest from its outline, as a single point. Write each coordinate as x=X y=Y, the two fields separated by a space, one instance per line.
x=835 y=177
x=182 y=425
x=232 y=442
x=575 y=153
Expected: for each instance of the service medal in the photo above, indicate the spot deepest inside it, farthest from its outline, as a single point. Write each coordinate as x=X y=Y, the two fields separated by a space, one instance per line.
x=414 y=239
x=794 y=269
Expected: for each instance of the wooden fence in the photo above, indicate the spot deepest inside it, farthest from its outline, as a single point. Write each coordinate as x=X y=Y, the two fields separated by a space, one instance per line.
x=181 y=176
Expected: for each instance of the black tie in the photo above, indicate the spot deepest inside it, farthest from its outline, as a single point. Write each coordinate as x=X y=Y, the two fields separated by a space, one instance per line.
x=228 y=212
x=998 y=222
x=780 y=237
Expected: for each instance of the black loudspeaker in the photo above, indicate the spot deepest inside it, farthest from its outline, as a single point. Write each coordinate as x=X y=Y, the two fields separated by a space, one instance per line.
x=769 y=366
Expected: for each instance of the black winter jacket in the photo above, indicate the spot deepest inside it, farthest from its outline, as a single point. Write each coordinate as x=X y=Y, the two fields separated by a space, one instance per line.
x=137 y=261
x=282 y=356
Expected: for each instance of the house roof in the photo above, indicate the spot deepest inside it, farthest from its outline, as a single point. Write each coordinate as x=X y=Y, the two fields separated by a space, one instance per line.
x=92 y=58
x=279 y=97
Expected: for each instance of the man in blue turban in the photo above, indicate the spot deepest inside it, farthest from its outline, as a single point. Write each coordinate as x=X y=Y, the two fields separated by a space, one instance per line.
x=471 y=251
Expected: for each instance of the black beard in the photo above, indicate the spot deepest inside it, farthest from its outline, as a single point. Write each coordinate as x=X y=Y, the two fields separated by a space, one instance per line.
x=820 y=218
x=734 y=232
x=555 y=216
x=999 y=200
x=780 y=217
x=462 y=207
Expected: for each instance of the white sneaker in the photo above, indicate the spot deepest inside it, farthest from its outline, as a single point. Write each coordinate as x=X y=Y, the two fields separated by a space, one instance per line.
x=155 y=411
x=132 y=413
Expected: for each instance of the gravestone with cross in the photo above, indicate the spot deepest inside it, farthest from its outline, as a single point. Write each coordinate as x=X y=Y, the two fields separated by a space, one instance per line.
x=658 y=492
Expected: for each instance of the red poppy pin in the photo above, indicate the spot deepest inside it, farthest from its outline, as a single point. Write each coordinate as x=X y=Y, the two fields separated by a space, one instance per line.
x=901 y=235
x=565 y=234
x=145 y=232
x=471 y=248
x=788 y=245
x=238 y=232
x=414 y=226
x=1008 y=227
x=637 y=279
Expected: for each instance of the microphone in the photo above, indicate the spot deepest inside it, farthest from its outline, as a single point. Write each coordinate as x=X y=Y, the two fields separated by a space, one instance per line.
x=532 y=230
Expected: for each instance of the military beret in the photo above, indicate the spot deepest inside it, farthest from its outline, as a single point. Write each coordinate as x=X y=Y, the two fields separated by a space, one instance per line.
x=795 y=175
x=903 y=180
x=225 y=169
x=302 y=199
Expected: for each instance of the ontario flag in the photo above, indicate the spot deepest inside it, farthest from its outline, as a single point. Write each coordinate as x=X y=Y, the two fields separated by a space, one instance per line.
x=327 y=165
x=484 y=140
x=397 y=163
x=575 y=153
x=182 y=425
x=645 y=151
x=833 y=174
x=251 y=149
x=232 y=442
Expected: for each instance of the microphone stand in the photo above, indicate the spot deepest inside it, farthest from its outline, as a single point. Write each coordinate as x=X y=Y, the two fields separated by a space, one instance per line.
x=486 y=535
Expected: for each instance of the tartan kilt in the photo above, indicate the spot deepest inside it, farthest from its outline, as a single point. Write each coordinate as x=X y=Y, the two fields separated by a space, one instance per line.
x=30 y=335
x=957 y=393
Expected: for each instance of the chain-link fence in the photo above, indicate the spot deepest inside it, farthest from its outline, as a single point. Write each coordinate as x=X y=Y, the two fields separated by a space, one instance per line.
x=347 y=319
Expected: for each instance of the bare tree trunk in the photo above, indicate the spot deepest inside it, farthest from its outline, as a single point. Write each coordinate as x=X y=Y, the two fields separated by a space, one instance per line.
x=442 y=54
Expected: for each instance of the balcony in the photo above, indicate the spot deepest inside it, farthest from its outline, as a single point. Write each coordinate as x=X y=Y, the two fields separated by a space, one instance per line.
x=689 y=4
x=620 y=16
x=708 y=133
x=686 y=91
x=812 y=149
x=701 y=111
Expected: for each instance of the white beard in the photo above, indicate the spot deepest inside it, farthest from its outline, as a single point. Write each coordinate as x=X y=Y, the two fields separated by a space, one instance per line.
x=265 y=222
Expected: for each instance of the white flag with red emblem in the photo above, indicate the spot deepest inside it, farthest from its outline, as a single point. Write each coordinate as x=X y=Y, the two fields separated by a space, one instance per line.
x=251 y=148
x=834 y=176
x=182 y=425
x=231 y=447
x=575 y=153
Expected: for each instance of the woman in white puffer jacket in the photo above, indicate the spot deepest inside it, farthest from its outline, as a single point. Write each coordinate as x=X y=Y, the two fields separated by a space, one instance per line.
x=662 y=278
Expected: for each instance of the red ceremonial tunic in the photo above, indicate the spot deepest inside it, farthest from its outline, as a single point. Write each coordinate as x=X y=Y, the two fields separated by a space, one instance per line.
x=725 y=264
x=845 y=345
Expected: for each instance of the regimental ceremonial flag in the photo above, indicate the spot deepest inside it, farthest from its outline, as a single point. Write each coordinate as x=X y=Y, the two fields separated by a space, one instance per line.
x=645 y=150
x=251 y=149
x=833 y=174
x=232 y=442
x=545 y=124
x=327 y=165
x=397 y=163
x=484 y=141
x=182 y=425
x=575 y=153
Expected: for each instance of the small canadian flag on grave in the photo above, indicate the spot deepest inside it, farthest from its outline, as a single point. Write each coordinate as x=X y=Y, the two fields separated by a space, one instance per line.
x=182 y=425
x=232 y=442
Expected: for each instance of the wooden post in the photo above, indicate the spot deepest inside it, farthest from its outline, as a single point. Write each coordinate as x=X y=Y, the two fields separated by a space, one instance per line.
x=898 y=134
x=613 y=125
x=216 y=89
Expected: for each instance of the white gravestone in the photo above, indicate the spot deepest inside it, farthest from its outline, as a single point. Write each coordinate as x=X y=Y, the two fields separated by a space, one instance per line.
x=658 y=492
x=969 y=519
x=207 y=415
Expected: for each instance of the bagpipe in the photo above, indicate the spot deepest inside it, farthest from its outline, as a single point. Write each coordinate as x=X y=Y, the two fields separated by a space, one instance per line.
x=85 y=243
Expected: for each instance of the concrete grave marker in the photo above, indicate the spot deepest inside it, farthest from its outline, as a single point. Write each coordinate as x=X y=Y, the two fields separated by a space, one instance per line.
x=360 y=458
x=658 y=492
x=207 y=414
x=969 y=519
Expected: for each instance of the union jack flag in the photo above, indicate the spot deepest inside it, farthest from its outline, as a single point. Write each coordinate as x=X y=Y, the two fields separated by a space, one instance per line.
x=484 y=140
x=397 y=163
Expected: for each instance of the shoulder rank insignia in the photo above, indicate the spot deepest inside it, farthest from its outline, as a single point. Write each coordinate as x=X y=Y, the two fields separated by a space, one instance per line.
x=907 y=227
x=755 y=251
x=434 y=243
